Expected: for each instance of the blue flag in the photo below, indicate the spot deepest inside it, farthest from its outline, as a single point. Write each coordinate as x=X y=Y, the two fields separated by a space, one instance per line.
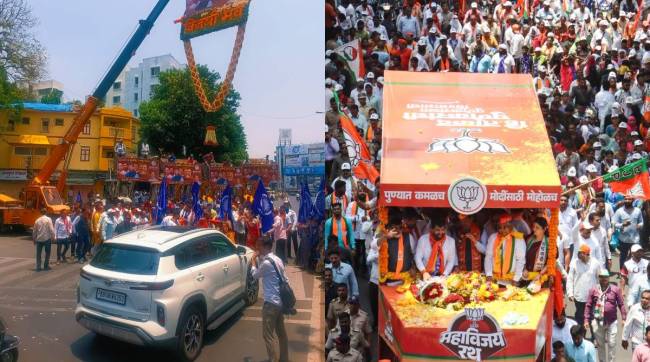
x=306 y=205
x=318 y=212
x=196 y=202
x=263 y=207
x=78 y=198
x=161 y=203
x=225 y=205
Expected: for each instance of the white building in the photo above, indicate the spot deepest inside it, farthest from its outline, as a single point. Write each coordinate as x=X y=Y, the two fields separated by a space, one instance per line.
x=43 y=88
x=135 y=85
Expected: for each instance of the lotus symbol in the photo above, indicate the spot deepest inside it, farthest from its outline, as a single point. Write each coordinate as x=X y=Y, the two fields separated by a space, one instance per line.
x=467 y=194
x=467 y=144
x=354 y=150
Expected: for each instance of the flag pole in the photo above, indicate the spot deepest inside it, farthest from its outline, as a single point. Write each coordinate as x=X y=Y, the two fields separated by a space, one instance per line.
x=582 y=185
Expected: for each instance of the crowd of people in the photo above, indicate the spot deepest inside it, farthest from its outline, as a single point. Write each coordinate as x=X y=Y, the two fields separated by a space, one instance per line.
x=589 y=62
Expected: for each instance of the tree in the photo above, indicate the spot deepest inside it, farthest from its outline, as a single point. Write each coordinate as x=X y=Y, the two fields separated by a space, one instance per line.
x=53 y=97
x=174 y=118
x=21 y=55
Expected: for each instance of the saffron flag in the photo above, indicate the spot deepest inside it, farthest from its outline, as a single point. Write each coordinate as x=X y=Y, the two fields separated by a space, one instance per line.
x=263 y=207
x=358 y=151
x=161 y=203
x=351 y=53
x=631 y=180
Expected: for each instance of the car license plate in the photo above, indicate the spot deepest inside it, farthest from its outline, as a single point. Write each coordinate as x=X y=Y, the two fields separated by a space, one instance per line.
x=109 y=296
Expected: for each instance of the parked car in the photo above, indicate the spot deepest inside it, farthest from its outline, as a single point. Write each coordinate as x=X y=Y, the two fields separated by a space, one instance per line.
x=165 y=286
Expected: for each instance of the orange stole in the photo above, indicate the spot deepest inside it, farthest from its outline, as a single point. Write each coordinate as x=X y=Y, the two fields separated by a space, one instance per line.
x=436 y=252
x=344 y=230
x=504 y=254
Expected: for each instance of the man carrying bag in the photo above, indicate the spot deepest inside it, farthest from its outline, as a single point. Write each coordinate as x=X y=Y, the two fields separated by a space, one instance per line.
x=278 y=299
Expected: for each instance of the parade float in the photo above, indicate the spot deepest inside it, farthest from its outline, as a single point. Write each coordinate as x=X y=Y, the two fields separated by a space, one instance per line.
x=466 y=142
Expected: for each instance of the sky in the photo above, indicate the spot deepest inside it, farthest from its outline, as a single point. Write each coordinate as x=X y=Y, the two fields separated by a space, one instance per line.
x=280 y=71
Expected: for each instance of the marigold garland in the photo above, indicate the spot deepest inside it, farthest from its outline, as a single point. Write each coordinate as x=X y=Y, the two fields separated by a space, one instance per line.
x=552 y=242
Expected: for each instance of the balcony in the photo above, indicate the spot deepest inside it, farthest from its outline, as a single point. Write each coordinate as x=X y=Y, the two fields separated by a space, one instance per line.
x=115 y=132
x=20 y=162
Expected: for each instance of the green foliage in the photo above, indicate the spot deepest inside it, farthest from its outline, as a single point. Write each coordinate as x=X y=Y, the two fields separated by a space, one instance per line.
x=53 y=97
x=174 y=117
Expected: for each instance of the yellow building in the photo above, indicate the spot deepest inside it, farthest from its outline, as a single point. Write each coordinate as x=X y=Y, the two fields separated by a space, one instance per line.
x=26 y=141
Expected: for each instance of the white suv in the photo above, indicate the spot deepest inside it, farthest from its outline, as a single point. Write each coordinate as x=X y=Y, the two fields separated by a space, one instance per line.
x=165 y=286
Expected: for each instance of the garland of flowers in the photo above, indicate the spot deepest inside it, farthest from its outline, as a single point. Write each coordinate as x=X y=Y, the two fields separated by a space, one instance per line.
x=552 y=241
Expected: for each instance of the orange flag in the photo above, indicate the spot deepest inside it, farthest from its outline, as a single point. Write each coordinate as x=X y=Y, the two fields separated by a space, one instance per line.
x=357 y=151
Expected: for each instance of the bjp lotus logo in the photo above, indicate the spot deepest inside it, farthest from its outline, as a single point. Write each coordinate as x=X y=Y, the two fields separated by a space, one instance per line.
x=466 y=143
x=467 y=194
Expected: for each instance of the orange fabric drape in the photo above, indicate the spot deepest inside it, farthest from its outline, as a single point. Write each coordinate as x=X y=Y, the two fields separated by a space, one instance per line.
x=344 y=230
x=436 y=252
x=503 y=255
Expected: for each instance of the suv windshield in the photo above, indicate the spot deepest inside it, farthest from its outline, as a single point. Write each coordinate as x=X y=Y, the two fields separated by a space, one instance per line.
x=127 y=259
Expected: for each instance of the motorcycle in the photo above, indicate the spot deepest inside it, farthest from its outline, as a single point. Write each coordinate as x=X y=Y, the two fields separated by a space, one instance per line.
x=8 y=344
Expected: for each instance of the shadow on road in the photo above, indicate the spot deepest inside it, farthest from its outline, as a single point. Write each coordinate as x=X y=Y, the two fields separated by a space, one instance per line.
x=96 y=348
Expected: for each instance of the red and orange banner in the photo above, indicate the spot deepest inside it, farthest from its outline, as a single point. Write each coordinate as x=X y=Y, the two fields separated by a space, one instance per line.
x=465 y=141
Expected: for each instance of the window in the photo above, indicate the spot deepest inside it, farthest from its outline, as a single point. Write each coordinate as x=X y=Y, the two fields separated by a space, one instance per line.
x=58 y=122
x=194 y=253
x=25 y=120
x=135 y=97
x=222 y=246
x=155 y=71
x=11 y=126
x=40 y=151
x=127 y=259
x=116 y=100
x=45 y=125
x=135 y=112
x=117 y=85
x=134 y=132
x=85 y=153
x=86 y=129
x=137 y=81
x=23 y=151
x=108 y=152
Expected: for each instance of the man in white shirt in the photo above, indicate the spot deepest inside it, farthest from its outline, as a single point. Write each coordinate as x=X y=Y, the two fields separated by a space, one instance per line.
x=638 y=318
x=568 y=216
x=42 y=235
x=599 y=234
x=436 y=251
x=561 y=329
x=505 y=241
x=502 y=62
x=585 y=237
x=633 y=273
x=270 y=269
x=583 y=275
x=358 y=215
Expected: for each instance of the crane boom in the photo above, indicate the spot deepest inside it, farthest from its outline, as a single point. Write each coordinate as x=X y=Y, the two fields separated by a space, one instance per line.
x=60 y=151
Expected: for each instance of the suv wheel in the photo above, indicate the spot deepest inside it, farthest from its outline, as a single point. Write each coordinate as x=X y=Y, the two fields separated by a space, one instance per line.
x=252 y=289
x=191 y=334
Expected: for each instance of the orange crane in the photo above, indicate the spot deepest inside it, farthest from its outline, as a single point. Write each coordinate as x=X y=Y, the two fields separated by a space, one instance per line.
x=39 y=193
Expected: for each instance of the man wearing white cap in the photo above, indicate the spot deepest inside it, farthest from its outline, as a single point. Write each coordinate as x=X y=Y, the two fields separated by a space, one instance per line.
x=542 y=82
x=581 y=10
x=473 y=11
x=351 y=182
x=502 y=62
x=634 y=272
x=590 y=161
x=602 y=34
x=545 y=11
x=624 y=97
x=583 y=235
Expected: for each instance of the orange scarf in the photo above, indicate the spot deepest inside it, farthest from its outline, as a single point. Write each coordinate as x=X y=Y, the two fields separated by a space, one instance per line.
x=503 y=255
x=344 y=230
x=370 y=134
x=355 y=208
x=444 y=64
x=436 y=252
